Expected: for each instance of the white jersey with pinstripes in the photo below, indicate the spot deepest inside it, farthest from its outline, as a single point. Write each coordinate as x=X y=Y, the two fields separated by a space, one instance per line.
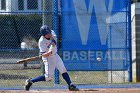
x=45 y=44
x=53 y=61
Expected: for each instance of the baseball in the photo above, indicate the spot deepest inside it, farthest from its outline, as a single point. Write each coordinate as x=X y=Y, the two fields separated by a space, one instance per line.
x=99 y=59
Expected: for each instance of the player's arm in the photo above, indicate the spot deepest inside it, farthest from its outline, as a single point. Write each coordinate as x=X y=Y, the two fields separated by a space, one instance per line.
x=44 y=53
x=42 y=48
x=53 y=43
x=51 y=50
x=54 y=38
x=47 y=54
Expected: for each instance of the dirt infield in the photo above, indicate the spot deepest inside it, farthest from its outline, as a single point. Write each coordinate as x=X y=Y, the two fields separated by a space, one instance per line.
x=111 y=90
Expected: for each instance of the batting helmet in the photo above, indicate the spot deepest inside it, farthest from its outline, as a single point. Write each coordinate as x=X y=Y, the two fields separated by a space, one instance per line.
x=44 y=30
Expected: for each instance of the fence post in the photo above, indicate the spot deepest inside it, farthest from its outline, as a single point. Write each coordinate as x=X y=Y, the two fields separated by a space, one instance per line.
x=55 y=28
x=130 y=44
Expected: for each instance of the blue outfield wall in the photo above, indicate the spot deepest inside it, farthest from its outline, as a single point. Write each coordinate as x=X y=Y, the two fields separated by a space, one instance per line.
x=88 y=60
x=92 y=30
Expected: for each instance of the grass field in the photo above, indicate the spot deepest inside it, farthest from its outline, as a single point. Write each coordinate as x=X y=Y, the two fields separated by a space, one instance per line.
x=12 y=81
x=16 y=78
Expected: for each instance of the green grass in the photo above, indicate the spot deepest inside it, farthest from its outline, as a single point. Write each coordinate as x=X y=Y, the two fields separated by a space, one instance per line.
x=10 y=78
x=14 y=78
x=87 y=77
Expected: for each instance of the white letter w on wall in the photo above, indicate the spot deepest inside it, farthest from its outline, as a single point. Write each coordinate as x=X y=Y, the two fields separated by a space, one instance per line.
x=83 y=15
x=83 y=18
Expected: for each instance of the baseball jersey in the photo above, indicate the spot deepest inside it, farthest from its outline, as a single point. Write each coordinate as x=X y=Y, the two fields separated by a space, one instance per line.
x=45 y=45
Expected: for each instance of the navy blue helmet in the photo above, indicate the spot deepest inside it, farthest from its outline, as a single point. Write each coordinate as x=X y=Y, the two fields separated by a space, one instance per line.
x=44 y=30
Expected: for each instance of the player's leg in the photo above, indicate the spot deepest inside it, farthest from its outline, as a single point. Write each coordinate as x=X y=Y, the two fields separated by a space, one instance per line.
x=60 y=66
x=29 y=82
x=49 y=71
x=41 y=77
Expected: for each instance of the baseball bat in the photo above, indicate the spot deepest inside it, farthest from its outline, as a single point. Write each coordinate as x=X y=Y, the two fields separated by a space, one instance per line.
x=28 y=59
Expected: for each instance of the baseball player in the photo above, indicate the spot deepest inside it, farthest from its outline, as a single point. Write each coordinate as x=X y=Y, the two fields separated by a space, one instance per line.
x=48 y=49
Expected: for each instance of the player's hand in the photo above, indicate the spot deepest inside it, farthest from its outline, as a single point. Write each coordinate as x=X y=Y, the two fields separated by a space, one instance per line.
x=47 y=54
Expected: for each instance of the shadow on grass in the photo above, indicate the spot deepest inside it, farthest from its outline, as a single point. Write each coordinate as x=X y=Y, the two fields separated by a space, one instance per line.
x=89 y=90
x=7 y=76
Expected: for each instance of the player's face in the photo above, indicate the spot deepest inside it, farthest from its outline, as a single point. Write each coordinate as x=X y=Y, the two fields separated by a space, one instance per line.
x=48 y=36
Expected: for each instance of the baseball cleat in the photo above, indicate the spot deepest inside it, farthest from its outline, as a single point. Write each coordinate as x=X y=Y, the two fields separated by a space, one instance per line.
x=73 y=88
x=28 y=84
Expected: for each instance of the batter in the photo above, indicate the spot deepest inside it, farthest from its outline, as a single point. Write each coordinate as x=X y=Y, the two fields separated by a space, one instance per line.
x=48 y=49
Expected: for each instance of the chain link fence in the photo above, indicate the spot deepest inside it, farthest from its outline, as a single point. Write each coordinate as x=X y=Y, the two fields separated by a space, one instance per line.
x=96 y=40
x=19 y=34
